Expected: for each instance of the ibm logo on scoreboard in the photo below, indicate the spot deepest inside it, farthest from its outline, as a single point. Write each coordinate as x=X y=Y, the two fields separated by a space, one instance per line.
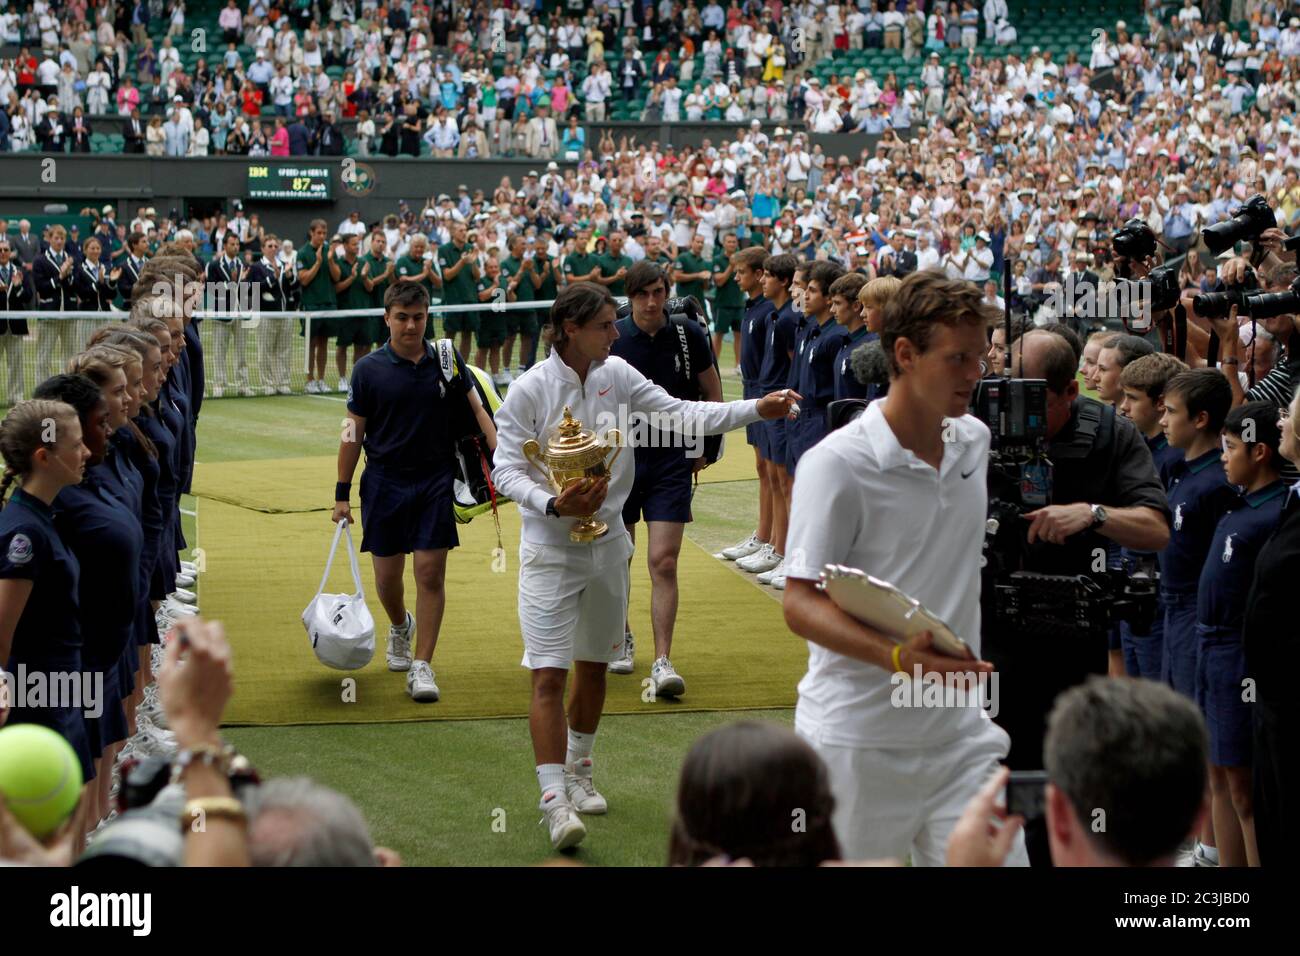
x=290 y=182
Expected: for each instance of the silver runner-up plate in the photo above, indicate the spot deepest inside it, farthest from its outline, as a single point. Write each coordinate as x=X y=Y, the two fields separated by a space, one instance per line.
x=879 y=604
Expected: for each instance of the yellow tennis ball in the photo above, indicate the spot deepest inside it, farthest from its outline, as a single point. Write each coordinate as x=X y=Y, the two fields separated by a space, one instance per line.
x=40 y=777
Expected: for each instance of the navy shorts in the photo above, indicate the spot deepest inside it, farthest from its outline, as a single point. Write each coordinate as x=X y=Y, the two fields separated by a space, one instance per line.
x=754 y=435
x=403 y=513
x=661 y=490
x=774 y=440
x=110 y=726
x=1220 y=678
x=1182 y=644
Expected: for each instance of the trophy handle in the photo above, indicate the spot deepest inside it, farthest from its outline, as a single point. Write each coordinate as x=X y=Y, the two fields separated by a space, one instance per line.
x=533 y=452
x=616 y=445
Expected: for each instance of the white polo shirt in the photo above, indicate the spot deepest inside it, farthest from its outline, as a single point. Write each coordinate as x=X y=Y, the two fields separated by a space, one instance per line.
x=861 y=500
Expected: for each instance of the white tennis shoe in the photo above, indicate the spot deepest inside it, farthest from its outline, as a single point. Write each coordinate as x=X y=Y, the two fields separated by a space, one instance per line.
x=559 y=815
x=580 y=789
x=750 y=545
x=764 y=559
x=420 y=685
x=624 y=664
x=399 y=645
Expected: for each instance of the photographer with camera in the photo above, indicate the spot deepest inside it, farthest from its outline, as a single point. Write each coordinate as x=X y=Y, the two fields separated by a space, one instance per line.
x=1103 y=488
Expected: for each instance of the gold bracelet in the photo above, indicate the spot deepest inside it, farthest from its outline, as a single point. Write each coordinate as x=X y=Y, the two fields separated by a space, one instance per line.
x=221 y=808
x=896 y=657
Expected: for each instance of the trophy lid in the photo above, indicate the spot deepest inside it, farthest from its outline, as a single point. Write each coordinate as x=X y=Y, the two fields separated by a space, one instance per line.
x=570 y=439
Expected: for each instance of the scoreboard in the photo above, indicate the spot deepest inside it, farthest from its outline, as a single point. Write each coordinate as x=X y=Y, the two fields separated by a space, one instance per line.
x=313 y=183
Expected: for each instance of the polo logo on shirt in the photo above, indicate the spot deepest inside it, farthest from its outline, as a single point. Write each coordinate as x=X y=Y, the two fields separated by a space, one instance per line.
x=1227 y=550
x=20 y=549
x=1178 y=518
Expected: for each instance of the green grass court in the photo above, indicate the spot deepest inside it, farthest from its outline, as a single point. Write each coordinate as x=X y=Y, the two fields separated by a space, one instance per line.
x=452 y=783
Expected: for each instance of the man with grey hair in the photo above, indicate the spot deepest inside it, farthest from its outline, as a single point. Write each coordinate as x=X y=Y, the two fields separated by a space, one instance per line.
x=295 y=821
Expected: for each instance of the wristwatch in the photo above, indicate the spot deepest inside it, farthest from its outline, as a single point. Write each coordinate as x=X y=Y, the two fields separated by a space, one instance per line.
x=550 y=509
x=1099 y=515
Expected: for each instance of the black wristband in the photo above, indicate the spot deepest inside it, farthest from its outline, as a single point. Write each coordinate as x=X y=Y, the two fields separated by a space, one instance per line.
x=550 y=508
x=342 y=490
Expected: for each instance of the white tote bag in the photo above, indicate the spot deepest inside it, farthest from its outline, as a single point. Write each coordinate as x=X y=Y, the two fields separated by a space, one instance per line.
x=341 y=629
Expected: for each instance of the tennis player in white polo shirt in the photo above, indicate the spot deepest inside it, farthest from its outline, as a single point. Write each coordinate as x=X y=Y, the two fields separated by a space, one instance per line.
x=900 y=494
x=573 y=596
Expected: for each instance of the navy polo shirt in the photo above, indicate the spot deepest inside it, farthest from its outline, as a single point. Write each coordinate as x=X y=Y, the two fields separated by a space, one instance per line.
x=98 y=527
x=1164 y=456
x=753 y=340
x=1198 y=497
x=846 y=383
x=815 y=380
x=48 y=635
x=774 y=372
x=672 y=358
x=802 y=326
x=1230 y=565
x=408 y=410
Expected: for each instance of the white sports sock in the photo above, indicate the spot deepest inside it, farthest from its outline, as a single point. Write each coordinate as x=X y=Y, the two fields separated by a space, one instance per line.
x=1211 y=853
x=550 y=776
x=579 y=746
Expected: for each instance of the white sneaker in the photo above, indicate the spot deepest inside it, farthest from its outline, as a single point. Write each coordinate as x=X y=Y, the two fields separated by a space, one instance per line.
x=747 y=547
x=558 y=813
x=767 y=577
x=499 y=379
x=419 y=683
x=217 y=391
x=399 y=645
x=184 y=579
x=624 y=664
x=778 y=577
x=580 y=789
x=667 y=682
x=1200 y=858
x=507 y=376
x=245 y=392
x=1186 y=853
x=174 y=608
x=310 y=387
x=284 y=390
x=764 y=559
x=189 y=567
x=184 y=596
x=342 y=386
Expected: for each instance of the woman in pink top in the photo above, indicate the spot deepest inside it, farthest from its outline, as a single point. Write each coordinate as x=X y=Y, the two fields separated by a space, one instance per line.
x=559 y=97
x=280 y=139
x=128 y=97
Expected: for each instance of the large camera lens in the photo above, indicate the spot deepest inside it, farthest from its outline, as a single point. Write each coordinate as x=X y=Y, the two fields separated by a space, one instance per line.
x=1134 y=240
x=1215 y=305
x=1245 y=225
x=1265 y=305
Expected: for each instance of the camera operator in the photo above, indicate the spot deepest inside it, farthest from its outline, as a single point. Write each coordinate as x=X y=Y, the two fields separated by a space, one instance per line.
x=1279 y=385
x=1104 y=488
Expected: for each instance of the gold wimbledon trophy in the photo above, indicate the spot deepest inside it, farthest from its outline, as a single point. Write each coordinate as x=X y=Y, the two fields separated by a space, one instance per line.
x=574 y=454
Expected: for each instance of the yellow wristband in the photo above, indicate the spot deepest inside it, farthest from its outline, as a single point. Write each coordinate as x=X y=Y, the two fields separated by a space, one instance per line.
x=896 y=658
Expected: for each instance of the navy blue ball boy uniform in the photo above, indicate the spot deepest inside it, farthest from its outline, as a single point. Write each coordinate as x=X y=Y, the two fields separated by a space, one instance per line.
x=753 y=340
x=47 y=639
x=1143 y=653
x=813 y=377
x=1199 y=495
x=673 y=359
x=406 y=487
x=1220 y=615
x=846 y=383
x=774 y=373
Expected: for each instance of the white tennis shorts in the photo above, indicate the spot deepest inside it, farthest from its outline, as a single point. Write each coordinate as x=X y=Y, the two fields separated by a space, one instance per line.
x=896 y=803
x=573 y=601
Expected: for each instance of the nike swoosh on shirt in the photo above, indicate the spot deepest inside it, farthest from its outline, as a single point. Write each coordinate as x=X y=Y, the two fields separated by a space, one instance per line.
x=969 y=473
x=605 y=389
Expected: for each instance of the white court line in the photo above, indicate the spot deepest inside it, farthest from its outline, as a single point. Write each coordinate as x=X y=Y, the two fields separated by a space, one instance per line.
x=328 y=398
